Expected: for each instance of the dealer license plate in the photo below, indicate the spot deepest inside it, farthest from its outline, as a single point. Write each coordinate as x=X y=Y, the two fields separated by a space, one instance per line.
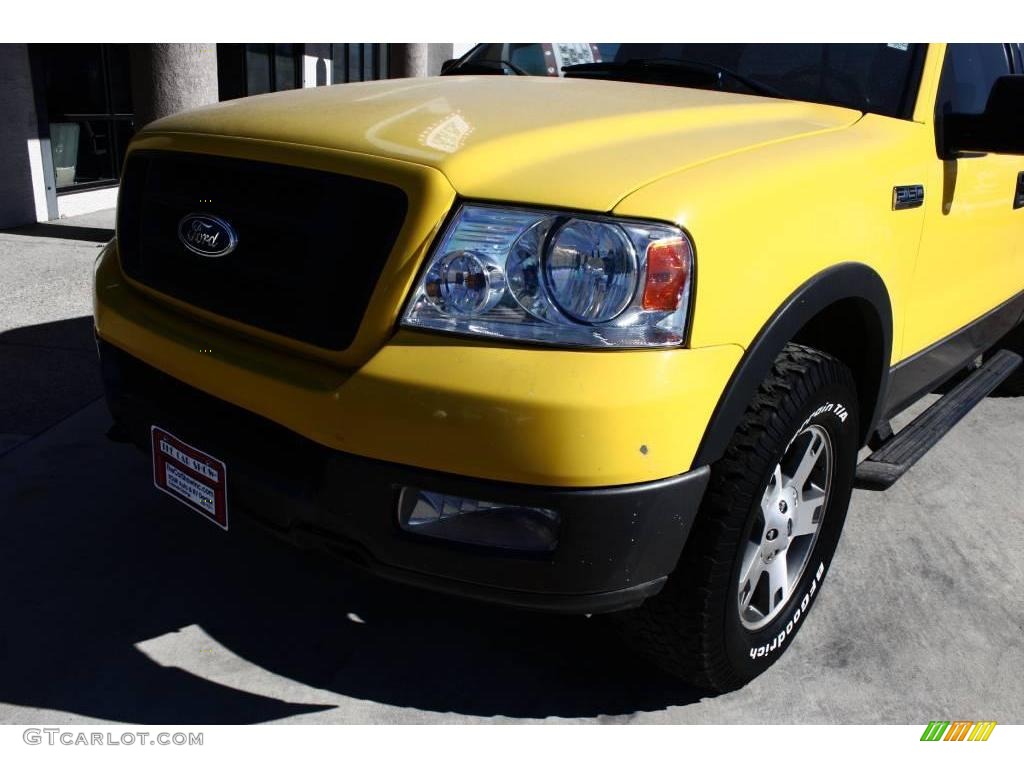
x=196 y=479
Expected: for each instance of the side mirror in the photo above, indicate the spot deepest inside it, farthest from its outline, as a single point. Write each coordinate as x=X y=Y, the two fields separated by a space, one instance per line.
x=999 y=129
x=448 y=66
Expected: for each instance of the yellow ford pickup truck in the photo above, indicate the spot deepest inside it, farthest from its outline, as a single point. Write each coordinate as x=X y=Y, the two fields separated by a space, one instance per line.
x=610 y=342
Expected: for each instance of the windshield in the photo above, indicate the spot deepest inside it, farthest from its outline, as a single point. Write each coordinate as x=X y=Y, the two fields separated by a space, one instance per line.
x=870 y=77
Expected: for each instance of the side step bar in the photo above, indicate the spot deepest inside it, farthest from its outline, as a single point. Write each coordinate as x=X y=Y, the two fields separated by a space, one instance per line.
x=901 y=451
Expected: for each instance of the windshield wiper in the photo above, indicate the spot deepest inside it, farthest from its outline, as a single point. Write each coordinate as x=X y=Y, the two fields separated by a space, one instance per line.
x=674 y=71
x=484 y=67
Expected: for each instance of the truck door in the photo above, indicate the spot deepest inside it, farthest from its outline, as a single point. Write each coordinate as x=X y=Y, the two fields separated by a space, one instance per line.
x=969 y=262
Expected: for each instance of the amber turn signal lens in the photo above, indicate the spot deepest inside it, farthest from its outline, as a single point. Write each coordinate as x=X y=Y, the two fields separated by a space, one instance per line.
x=668 y=263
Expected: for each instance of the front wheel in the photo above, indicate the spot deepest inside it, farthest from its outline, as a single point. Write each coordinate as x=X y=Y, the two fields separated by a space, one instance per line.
x=766 y=532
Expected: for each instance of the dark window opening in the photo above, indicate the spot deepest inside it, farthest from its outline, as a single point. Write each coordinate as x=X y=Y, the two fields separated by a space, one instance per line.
x=89 y=114
x=249 y=69
x=356 y=62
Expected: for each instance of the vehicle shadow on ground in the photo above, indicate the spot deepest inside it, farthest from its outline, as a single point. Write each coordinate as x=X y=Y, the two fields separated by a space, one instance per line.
x=98 y=569
x=47 y=372
x=64 y=232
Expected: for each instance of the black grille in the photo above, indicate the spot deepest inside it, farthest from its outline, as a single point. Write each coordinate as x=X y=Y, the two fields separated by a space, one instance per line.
x=311 y=244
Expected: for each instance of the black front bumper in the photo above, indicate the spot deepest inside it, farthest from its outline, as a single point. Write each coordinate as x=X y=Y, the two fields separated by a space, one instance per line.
x=616 y=545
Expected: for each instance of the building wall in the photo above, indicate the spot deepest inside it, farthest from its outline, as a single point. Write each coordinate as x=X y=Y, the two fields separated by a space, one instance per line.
x=22 y=184
x=165 y=78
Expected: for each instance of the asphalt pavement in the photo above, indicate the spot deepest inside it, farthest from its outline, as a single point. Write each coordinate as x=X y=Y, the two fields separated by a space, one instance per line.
x=47 y=355
x=117 y=604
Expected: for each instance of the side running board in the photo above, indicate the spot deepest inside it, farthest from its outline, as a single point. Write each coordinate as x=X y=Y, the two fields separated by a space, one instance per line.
x=901 y=451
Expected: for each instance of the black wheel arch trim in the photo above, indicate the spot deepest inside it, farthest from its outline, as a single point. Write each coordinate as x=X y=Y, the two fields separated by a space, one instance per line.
x=848 y=280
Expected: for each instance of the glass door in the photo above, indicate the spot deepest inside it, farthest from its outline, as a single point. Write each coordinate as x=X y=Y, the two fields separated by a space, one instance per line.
x=87 y=92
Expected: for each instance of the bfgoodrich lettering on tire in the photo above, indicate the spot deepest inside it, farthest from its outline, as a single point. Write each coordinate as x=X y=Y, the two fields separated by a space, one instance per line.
x=762 y=543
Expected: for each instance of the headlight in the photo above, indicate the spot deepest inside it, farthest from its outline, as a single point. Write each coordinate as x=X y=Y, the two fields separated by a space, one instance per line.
x=591 y=270
x=556 y=278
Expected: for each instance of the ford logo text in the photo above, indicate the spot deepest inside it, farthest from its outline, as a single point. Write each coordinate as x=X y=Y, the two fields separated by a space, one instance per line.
x=207 y=235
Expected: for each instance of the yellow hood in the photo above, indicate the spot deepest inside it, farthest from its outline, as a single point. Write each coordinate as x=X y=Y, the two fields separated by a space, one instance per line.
x=570 y=143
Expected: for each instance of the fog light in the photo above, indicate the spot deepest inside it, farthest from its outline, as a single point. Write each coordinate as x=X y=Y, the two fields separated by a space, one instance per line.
x=470 y=521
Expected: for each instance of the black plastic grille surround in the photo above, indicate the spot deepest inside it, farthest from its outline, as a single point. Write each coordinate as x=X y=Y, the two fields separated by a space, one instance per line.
x=311 y=244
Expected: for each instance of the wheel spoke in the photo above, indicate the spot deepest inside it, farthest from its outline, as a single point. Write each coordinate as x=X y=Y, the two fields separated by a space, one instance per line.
x=808 y=511
x=745 y=597
x=778 y=581
x=807 y=461
x=750 y=573
x=768 y=498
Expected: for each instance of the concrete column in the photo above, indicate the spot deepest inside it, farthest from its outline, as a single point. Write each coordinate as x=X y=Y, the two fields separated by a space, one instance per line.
x=417 y=59
x=172 y=77
x=438 y=54
x=22 y=184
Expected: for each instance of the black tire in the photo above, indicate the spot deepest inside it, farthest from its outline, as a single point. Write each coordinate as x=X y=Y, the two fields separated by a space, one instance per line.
x=692 y=628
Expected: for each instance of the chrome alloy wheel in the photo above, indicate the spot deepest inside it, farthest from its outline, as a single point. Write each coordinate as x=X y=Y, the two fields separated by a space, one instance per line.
x=783 y=535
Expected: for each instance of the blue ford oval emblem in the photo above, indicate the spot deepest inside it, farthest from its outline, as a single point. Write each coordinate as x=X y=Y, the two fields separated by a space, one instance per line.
x=207 y=235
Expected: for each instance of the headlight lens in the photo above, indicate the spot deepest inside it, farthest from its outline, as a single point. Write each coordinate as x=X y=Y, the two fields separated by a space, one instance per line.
x=556 y=278
x=464 y=284
x=591 y=270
